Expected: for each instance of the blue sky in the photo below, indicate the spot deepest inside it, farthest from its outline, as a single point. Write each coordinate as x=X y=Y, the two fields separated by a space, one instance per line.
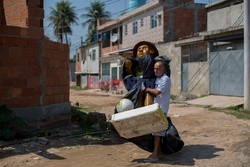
x=113 y=6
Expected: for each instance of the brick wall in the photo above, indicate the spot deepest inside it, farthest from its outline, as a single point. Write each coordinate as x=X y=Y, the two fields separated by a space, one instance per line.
x=202 y=20
x=24 y=13
x=34 y=72
x=56 y=80
x=183 y=22
x=22 y=59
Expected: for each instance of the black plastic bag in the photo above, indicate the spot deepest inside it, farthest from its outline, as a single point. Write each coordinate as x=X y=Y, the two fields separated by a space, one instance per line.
x=170 y=144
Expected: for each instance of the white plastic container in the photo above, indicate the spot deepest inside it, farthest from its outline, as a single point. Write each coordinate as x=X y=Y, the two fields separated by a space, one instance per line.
x=140 y=121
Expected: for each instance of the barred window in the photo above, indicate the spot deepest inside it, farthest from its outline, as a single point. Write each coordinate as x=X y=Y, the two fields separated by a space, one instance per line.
x=126 y=30
x=142 y=23
x=153 y=21
x=135 y=28
x=93 y=55
x=105 y=68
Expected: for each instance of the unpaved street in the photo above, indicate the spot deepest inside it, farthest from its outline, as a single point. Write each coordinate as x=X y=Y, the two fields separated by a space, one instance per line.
x=212 y=139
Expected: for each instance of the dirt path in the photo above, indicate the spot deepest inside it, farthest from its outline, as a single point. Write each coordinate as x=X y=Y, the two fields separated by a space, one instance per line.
x=211 y=139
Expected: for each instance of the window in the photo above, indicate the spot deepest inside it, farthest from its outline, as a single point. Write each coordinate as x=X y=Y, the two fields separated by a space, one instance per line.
x=159 y=20
x=153 y=21
x=114 y=72
x=126 y=29
x=141 y=22
x=93 y=55
x=105 y=69
x=135 y=28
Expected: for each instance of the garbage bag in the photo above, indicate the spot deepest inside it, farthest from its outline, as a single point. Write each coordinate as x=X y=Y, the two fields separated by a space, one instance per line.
x=170 y=143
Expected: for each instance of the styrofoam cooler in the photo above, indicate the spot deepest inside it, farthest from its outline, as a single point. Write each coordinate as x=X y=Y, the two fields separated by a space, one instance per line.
x=140 y=121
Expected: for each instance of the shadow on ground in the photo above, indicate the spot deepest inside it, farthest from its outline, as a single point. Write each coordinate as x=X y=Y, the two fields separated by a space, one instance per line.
x=41 y=147
x=187 y=155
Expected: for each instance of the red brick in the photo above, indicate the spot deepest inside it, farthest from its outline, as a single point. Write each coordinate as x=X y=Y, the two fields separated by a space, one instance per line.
x=48 y=91
x=21 y=82
x=21 y=42
x=37 y=71
x=14 y=52
x=27 y=52
x=20 y=102
x=16 y=92
x=27 y=72
x=15 y=72
x=27 y=92
x=33 y=62
x=5 y=93
x=33 y=82
x=37 y=52
x=34 y=101
x=3 y=72
x=34 y=43
x=9 y=41
x=9 y=82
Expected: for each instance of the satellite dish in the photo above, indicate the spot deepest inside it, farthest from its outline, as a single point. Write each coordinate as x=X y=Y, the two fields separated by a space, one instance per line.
x=114 y=38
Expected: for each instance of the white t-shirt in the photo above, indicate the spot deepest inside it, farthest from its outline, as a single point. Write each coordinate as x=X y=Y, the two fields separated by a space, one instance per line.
x=163 y=84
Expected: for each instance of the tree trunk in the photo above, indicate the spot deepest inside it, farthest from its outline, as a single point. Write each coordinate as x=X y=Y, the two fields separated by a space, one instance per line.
x=66 y=38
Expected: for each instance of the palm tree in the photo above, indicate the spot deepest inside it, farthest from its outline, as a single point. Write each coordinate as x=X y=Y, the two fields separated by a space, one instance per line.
x=93 y=13
x=61 y=18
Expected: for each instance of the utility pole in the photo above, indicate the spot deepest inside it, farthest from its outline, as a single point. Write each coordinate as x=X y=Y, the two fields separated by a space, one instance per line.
x=246 y=55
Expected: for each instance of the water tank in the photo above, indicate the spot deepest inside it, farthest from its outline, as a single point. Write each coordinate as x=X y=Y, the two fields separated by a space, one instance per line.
x=133 y=4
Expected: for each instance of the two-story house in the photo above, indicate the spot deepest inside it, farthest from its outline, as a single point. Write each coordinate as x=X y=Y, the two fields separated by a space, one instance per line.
x=159 y=21
x=220 y=70
x=87 y=65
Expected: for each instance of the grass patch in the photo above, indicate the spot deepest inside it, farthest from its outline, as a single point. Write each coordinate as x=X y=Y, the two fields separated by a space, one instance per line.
x=88 y=127
x=77 y=88
x=172 y=97
x=237 y=111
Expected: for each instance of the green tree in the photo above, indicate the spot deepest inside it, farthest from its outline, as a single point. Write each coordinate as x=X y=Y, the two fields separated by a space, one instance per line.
x=95 y=11
x=62 y=18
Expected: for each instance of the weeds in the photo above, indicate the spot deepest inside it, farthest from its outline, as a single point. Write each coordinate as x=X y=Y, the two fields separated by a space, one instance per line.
x=237 y=111
x=81 y=116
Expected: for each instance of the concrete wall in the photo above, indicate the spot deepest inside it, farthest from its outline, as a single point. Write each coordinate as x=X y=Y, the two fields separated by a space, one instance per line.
x=92 y=66
x=174 y=53
x=145 y=33
x=198 y=78
x=231 y=16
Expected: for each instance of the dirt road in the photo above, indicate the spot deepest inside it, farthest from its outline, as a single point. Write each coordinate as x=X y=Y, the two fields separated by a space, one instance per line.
x=212 y=139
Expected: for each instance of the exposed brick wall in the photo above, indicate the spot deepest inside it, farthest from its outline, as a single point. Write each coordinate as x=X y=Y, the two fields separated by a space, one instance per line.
x=56 y=80
x=105 y=52
x=202 y=17
x=34 y=72
x=183 y=22
x=20 y=71
x=24 y=13
x=166 y=23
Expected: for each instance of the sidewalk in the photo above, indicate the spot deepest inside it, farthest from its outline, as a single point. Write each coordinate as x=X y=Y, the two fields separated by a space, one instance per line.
x=217 y=101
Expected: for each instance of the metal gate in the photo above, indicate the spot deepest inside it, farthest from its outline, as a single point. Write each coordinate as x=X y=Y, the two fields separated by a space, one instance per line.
x=184 y=83
x=227 y=73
